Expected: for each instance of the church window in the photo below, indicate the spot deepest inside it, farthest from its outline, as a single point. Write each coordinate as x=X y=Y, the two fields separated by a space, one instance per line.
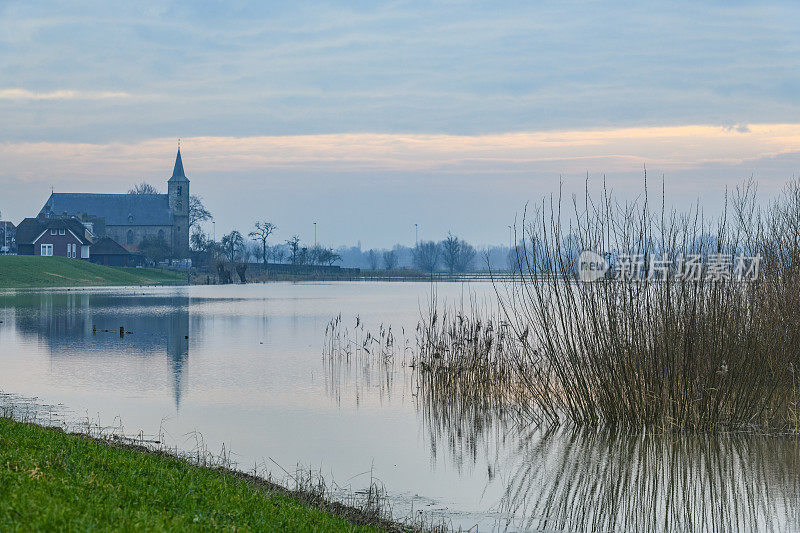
x=180 y=190
x=161 y=234
x=129 y=237
x=130 y=218
x=179 y=206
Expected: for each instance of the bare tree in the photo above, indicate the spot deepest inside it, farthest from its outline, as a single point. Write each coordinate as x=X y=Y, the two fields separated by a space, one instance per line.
x=143 y=188
x=197 y=211
x=278 y=252
x=199 y=241
x=466 y=255
x=451 y=247
x=372 y=259
x=294 y=248
x=326 y=256
x=390 y=259
x=426 y=256
x=232 y=245
x=315 y=255
x=156 y=249
x=242 y=260
x=457 y=254
x=261 y=233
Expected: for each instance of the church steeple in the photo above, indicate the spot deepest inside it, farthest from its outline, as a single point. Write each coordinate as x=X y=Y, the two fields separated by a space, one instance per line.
x=178 y=194
x=177 y=172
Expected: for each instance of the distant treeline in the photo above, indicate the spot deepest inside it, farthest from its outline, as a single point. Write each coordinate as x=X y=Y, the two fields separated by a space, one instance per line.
x=451 y=254
x=448 y=255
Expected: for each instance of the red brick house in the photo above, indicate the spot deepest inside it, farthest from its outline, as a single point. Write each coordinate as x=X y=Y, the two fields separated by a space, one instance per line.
x=63 y=237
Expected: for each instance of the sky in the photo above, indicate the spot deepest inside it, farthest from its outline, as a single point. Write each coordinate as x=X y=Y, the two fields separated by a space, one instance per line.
x=371 y=117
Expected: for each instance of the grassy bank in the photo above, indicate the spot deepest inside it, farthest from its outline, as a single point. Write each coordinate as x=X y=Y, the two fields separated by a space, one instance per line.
x=50 y=480
x=24 y=271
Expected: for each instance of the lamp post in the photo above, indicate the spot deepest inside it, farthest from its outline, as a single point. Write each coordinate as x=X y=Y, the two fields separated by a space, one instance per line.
x=416 y=234
x=510 y=238
x=315 y=235
x=214 y=226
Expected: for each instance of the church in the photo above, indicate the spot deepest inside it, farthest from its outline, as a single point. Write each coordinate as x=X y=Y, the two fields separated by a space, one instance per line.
x=129 y=218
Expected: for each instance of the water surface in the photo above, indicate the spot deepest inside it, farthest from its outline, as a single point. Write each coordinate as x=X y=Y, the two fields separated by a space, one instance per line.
x=243 y=366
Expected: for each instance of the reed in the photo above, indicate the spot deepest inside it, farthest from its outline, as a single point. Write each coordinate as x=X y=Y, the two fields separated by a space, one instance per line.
x=664 y=351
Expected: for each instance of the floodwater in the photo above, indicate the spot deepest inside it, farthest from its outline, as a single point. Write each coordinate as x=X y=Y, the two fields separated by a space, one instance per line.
x=242 y=366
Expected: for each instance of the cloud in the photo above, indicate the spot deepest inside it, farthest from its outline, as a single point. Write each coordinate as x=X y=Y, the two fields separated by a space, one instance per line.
x=24 y=94
x=568 y=151
x=250 y=69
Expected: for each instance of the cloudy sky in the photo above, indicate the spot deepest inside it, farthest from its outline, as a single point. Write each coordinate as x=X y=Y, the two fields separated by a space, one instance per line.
x=372 y=117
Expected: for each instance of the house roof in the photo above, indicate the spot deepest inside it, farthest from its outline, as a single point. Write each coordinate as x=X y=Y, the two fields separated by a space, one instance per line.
x=108 y=246
x=4 y=223
x=31 y=228
x=177 y=172
x=117 y=209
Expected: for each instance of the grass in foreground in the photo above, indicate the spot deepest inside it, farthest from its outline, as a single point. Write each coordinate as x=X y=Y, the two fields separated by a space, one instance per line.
x=26 y=271
x=53 y=481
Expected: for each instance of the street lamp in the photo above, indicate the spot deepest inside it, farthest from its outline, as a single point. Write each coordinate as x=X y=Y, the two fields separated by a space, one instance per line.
x=214 y=226
x=416 y=234
x=510 y=238
x=315 y=234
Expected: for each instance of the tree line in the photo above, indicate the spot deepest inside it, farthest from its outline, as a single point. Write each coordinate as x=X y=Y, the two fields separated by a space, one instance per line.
x=236 y=249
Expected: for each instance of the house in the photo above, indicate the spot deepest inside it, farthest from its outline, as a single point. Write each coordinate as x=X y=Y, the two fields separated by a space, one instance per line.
x=106 y=251
x=63 y=237
x=8 y=232
x=130 y=218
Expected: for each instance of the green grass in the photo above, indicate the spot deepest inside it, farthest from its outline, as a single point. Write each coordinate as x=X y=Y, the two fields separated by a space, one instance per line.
x=27 y=271
x=52 y=481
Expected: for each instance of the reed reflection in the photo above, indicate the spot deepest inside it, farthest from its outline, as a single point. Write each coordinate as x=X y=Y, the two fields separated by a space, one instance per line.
x=578 y=480
x=357 y=362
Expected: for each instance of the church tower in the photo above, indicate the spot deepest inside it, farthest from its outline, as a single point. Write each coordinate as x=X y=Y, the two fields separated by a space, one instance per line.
x=178 y=191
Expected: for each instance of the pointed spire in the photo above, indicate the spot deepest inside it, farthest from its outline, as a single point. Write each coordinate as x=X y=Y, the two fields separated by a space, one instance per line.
x=177 y=172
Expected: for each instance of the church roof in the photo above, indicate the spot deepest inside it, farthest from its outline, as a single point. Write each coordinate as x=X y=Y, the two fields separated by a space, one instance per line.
x=177 y=172
x=117 y=209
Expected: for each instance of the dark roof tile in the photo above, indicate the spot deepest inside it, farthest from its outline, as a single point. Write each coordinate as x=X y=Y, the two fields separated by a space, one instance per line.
x=30 y=228
x=117 y=209
x=108 y=246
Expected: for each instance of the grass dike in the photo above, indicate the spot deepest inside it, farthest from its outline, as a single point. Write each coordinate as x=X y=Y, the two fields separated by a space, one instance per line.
x=51 y=480
x=28 y=271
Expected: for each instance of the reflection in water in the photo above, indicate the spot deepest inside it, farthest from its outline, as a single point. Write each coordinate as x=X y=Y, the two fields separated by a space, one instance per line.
x=465 y=426
x=358 y=362
x=600 y=481
x=65 y=322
